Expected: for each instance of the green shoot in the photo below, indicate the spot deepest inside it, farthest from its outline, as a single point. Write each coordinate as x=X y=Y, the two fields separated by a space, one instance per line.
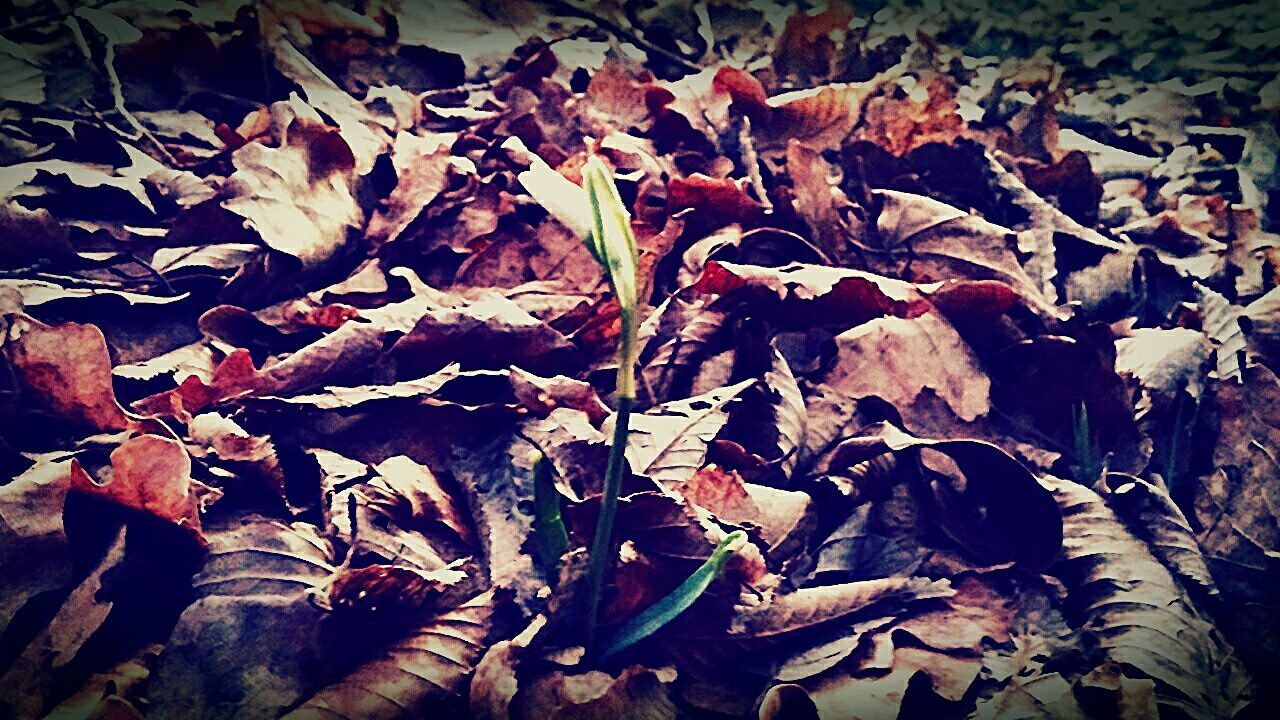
x=614 y=247
x=677 y=601
x=548 y=526
x=1088 y=467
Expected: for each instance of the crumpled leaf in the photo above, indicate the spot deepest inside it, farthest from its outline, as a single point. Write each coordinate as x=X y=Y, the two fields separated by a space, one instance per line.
x=898 y=359
x=497 y=475
x=345 y=351
x=421 y=166
x=363 y=136
x=810 y=607
x=924 y=111
x=151 y=474
x=833 y=295
x=683 y=332
x=490 y=333
x=987 y=501
x=35 y=235
x=95 y=698
x=297 y=197
x=29 y=680
x=1236 y=510
x=428 y=501
x=638 y=693
x=923 y=238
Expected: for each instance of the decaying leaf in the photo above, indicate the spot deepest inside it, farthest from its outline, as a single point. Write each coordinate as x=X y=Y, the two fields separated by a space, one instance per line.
x=1236 y=510
x=1140 y=616
x=297 y=197
x=36 y=555
x=669 y=442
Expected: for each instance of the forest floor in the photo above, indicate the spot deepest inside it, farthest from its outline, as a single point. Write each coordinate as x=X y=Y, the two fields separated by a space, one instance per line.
x=966 y=316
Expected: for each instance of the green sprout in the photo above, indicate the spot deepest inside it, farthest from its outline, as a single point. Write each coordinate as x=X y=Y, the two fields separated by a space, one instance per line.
x=548 y=526
x=614 y=247
x=1089 y=461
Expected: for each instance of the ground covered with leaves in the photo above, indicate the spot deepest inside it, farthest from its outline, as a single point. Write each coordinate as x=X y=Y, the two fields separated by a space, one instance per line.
x=969 y=319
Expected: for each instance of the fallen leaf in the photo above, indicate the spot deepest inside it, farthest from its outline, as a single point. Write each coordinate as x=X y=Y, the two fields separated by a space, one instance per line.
x=637 y=692
x=668 y=443
x=252 y=626
x=418 y=672
x=1235 y=510
x=150 y=474
x=421 y=166
x=38 y=557
x=390 y=587
x=1141 y=617
x=479 y=330
x=297 y=197
x=897 y=359
x=428 y=501
x=30 y=677
x=68 y=371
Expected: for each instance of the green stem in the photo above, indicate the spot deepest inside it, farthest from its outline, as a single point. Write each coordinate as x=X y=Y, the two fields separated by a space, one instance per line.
x=602 y=545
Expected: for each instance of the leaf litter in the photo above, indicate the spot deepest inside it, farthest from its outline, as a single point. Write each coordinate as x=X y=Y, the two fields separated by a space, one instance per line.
x=957 y=327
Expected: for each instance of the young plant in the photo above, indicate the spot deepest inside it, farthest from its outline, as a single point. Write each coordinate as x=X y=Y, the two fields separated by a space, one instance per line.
x=614 y=247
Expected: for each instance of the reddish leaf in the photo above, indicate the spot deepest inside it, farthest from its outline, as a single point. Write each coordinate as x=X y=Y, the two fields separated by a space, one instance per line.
x=152 y=475
x=66 y=369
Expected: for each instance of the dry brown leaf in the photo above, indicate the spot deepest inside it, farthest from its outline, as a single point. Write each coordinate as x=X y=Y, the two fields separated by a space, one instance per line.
x=418 y=672
x=243 y=647
x=428 y=501
x=29 y=680
x=897 y=359
x=67 y=371
x=297 y=197
x=151 y=474
x=805 y=48
x=1237 y=511
x=637 y=693
x=422 y=165
x=901 y=120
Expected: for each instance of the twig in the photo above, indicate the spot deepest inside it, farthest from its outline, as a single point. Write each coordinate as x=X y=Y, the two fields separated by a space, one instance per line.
x=623 y=34
x=117 y=91
x=117 y=95
x=135 y=260
x=463 y=88
x=752 y=160
x=63 y=280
